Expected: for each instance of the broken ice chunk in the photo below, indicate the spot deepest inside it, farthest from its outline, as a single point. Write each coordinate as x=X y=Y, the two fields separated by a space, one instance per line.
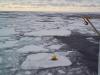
x=43 y=60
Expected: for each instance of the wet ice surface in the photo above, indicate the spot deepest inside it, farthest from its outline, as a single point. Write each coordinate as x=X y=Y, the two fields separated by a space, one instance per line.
x=25 y=35
x=52 y=32
x=43 y=60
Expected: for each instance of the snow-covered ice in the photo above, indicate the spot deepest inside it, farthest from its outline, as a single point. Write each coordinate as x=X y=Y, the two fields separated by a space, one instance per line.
x=52 y=32
x=61 y=71
x=39 y=40
x=7 y=31
x=55 y=47
x=43 y=60
x=32 y=48
x=8 y=44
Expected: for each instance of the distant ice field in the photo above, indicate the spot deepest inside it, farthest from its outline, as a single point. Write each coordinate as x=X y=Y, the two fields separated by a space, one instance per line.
x=45 y=24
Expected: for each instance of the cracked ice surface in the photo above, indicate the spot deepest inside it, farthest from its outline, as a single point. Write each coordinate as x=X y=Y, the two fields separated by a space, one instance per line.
x=43 y=60
x=32 y=48
x=16 y=50
x=40 y=44
x=7 y=31
x=55 y=32
x=8 y=44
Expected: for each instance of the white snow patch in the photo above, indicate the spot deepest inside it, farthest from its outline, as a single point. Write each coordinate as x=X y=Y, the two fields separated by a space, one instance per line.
x=52 y=32
x=43 y=60
x=61 y=71
x=55 y=47
x=32 y=48
x=68 y=52
x=7 y=31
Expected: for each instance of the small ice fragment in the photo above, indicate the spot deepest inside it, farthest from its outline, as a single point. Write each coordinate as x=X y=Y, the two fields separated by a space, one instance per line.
x=49 y=73
x=56 y=47
x=61 y=71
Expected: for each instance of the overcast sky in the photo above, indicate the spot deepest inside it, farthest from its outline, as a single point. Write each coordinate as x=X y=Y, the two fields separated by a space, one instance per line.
x=59 y=2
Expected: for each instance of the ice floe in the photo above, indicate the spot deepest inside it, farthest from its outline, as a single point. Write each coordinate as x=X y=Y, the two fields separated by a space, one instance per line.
x=32 y=48
x=61 y=71
x=55 y=47
x=7 y=31
x=8 y=44
x=52 y=32
x=43 y=60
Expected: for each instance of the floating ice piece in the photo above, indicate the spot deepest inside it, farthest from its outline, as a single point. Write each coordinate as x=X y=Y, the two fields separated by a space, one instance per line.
x=43 y=60
x=53 y=32
x=32 y=48
x=8 y=44
x=55 y=47
x=7 y=31
x=61 y=71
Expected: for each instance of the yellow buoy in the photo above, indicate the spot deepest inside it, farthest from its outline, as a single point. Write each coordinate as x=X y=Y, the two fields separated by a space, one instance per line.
x=54 y=57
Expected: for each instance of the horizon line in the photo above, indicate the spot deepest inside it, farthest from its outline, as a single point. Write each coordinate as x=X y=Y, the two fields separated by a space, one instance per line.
x=47 y=8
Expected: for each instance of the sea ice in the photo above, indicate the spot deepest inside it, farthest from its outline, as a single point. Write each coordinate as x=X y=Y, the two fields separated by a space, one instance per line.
x=8 y=44
x=52 y=32
x=61 y=71
x=43 y=60
x=55 y=47
x=32 y=48
x=7 y=31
